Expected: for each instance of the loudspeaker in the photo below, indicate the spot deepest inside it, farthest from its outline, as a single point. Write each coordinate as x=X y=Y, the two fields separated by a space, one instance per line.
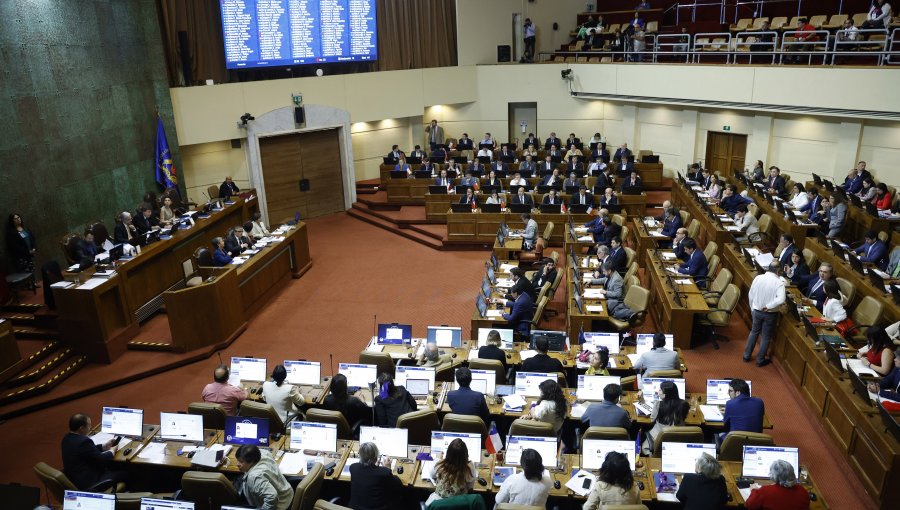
x=185 y=51
x=504 y=53
x=299 y=115
x=235 y=143
x=304 y=184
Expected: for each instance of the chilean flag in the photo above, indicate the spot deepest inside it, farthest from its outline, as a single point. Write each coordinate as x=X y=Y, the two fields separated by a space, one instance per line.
x=493 y=444
x=562 y=208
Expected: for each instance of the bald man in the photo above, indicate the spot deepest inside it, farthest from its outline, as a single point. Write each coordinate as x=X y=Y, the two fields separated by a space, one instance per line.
x=220 y=392
x=227 y=189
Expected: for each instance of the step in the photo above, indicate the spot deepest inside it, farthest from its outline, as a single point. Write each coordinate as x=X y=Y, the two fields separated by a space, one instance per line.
x=19 y=319
x=35 y=333
x=39 y=371
x=137 y=345
x=22 y=307
x=52 y=380
x=367 y=216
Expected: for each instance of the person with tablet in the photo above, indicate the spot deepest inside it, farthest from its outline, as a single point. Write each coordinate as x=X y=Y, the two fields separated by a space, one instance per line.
x=531 y=486
x=373 y=486
x=615 y=484
x=464 y=400
x=705 y=489
x=262 y=485
x=607 y=413
x=454 y=474
x=85 y=463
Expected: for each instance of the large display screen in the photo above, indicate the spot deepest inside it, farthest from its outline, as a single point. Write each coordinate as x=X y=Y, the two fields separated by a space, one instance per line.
x=266 y=33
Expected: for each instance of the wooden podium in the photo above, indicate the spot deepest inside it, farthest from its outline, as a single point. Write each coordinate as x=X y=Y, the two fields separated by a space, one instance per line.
x=208 y=314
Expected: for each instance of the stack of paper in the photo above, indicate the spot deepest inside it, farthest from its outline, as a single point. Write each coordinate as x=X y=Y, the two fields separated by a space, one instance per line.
x=668 y=255
x=578 y=410
x=527 y=354
x=581 y=482
x=594 y=308
x=92 y=283
x=764 y=259
x=374 y=347
x=292 y=463
x=856 y=365
x=633 y=358
x=494 y=313
x=427 y=466
x=711 y=413
x=515 y=403
x=62 y=285
x=505 y=268
x=593 y=293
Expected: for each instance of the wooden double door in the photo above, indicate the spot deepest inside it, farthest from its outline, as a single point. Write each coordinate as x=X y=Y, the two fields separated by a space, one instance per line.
x=725 y=152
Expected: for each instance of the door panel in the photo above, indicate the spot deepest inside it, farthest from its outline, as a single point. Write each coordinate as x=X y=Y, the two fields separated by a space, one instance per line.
x=725 y=152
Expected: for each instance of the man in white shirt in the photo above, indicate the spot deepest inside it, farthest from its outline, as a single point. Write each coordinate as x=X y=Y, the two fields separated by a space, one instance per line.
x=766 y=295
x=486 y=153
x=745 y=221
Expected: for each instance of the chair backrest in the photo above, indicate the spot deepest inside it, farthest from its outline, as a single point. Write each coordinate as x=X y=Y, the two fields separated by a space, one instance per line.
x=539 y=311
x=464 y=423
x=712 y=265
x=743 y=23
x=213 y=414
x=545 y=289
x=131 y=500
x=261 y=410
x=213 y=191
x=778 y=22
x=637 y=298
x=765 y=224
x=868 y=312
x=539 y=246
x=818 y=20
x=490 y=364
x=556 y=281
x=462 y=502
x=317 y=415
x=632 y=271
x=548 y=230
x=810 y=258
x=628 y=282
x=101 y=233
x=711 y=249
x=848 y=291
x=693 y=228
x=883 y=236
x=618 y=219
x=685 y=216
x=615 y=433
x=54 y=480
x=307 y=491
x=203 y=257
x=629 y=256
x=208 y=491
x=624 y=234
x=733 y=445
x=323 y=504
x=753 y=209
x=522 y=427
x=721 y=281
x=421 y=424
x=625 y=507
x=382 y=360
x=665 y=373
x=512 y=506
x=69 y=243
x=677 y=435
x=725 y=307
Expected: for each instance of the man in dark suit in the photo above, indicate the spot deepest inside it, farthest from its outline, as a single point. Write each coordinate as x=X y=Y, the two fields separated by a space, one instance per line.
x=521 y=197
x=672 y=222
x=229 y=188
x=618 y=259
x=551 y=140
x=235 y=242
x=465 y=400
x=596 y=227
x=624 y=168
x=506 y=154
x=582 y=197
x=572 y=140
x=443 y=180
x=547 y=167
x=872 y=251
x=547 y=273
x=696 y=264
x=527 y=167
x=468 y=180
x=622 y=152
x=418 y=153
x=145 y=221
x=84 y=463
x=633 y=185
x=575 y=166
x=86 y=250
x=542 y=362
x=521 y=310
x=611 y=229
x=678 y=244
x=814 y=205
x=572 y=181
x=428 y=166
x=125 y=231
x=469 y=198
x=531 y=140
x=787 y=249
x=371 y=484
x=475 y=168
x=553 y=179
x=775 y=182
x=521 y=284
x=600 y=153
x=604 y=180
x=815 y=285
x=498 y=166
x=551 y=198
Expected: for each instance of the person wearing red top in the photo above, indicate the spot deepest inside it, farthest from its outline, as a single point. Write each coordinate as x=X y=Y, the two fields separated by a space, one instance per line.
x=882 y=198
x=783 y=494
x=878 y=353
x=805 y=33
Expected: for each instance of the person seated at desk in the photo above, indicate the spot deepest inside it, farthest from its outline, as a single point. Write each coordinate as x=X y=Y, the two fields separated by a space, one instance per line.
x=227 y=189
x=853 y=183
x=465 y=143
x=418 y=153
x=491 y=348
x=873 y=250
x=877 y=354
x=833 y=310
x=454 y=474
x=694 y=173
x=551 y=406
x=572 y=140
x=464 y=400
x=596 y=167
x=521 y=197
x=883 y=199
x=529 y=150
x=633 y=185
x=86 y=464
x=530 y=235
x=432 y=356
x=469 y=198
x=615 y=484
x=731 y=199
x=607 y=413
x=889 y=386
x=745 y=221
x=488 y=140
x=547 y=167
x=258 y=229
x=125 y=231
x=506 y=154
x=520 y=284
x=696 y=265
x=485 y=152
x=262 y=484
x=815 y=283
x=598 y=362
x=775 y=183
x=743 y=412
x=401 y=166
x=604 y=180
x=796 y=271
x=758 y=174
x=705 y=489
x=495 y=199
x=624 y=168
x=575 y=167
x=453 y=168
x=221 y=392
x=470 y=179
x=552 y=141
x=221 y=258
x=813 y=206
x=799 y=198
x=582 y=198
x=546 y=274
x=672 y=222
x=572 y=181
x=529 y=487
x=596 y=226
x=527 y=167
x=658 y=357
x=554 y=179
x=835 y=215
x=611 y=229
x=521 y=310
x=784 y=492
x=493 y=180
x=428 y=166
x=374 y=486
x=166 y=213
x=705 y=178
x=145 y=222
x=355 y=411
x=236 y=242
x=394 y=155
x=600 y=154
x=893 y=266
x=613 y=290
x=443 y=180
x=622 y=152
x=285 y=399
x=550 y=198
x=554 y=153
x=542 y=362
x=86 y=250
x=618 y=259
x=868 y=191
x=391 y=401
x=669 y=410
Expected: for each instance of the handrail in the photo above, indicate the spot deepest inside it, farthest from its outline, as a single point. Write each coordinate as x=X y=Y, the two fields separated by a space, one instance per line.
x=681 y=44
x=764 y=48
x=893 y=48
x=846 y=48
x=800 y=48
x=703 y=47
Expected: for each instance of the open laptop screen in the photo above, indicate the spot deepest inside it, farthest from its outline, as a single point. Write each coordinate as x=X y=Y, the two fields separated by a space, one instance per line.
x=546 y=446
x=758 y=459
x=390 y=442
x=484 y=381
x=595 y=450
x=358 y=375
x=165 y=504
x=608 y=340
x=682 y=457
x=440 y=440
x=651 y=387
x=181 y=427
x=506 y=337
x=590 y=387
x=394 y=333
x=247 y=369
x=313 y=436
x=404 y=374
x=122 y=421
x=77 y=500
x=645 y=343
x=717 y=391
x=445 y=336
x=527 y=383
x=303 y=372
x=243 y=430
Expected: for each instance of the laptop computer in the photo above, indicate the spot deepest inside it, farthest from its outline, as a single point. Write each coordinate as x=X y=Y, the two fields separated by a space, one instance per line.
x=491 y=208
x=122 y=421
x=856 y=264
x=461 y=208
x=650 y=159
x=551 y=208
x=519 y=208
x=838 y=249
x=590 y=387
x=890 y=421
x=555 y=339
x=398 y=174
x=241 y=430
x=165 y=504
x=445 y=336
x=420 y=378
x=392 y=442
x=313 y=436
x=527 y=383
x=181 y=427
x=303 y=372
x=682 y=457
x=437 y=190
x=78 y=500
x=546 y=446
x=594 y=452
x=758 y=459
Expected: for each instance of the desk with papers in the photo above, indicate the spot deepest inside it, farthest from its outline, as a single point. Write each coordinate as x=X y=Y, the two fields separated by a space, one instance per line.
x=667 y=307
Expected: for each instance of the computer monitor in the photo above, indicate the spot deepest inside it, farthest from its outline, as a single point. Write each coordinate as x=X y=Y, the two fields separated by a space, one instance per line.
x=594 y=452
x=590 y=387
x=527 y=383
x=758 y=459
x=321 y=437
x=555 y=339
x=608 y=340
x=486 y=287
x=165 y=504
x=651 y=387
x=506 y=337
x=247 y=369
x=303 y=372
x=644 y=342
x=392 y=442
x=243 y=430
x=484 y=381
x=717 y=391
x=445 y=336
x=440 y=440
x=546 y=446
x=417 y=374
x=122 y=421
x=682 y=457
x=358 y=375
x=491 y=275
x=481 y=305
x=181 y=427
x=394 y=333
x=77 y=500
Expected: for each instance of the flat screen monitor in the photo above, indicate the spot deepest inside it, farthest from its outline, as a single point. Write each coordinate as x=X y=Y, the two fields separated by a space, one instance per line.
x=717 y=391
x=440 y=440
x=555 y=339
x=481 y=305
x=486 y=287
x=484 y=381
x=608 y=340
x=445 y=336
x=394 y=334
x=758 y=459
x=321 y=437
x=390 y=442
x=594 y=452
x=165 y=504
x=358 y=375
x=682 y=457
x=122 y=421
x=645 y=342
x=241 y=430
x=271 y=33
x=651 y=386
x=506 y=337
x=491 y=275
x=181 y=427
x=303 y=372
x=546 y=446
x=590 y=387
x=527 y=383
x=77 y=500
x=247 y=369
x=415 y=375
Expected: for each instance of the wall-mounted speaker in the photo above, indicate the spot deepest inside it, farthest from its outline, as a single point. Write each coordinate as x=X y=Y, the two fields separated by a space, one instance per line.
x=235 y=143
x=299 y=115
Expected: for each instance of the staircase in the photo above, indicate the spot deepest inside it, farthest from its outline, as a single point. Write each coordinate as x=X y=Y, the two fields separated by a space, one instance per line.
x=406 y=221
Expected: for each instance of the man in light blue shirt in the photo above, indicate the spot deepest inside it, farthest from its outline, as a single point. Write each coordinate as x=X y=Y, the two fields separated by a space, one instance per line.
x=658 y=358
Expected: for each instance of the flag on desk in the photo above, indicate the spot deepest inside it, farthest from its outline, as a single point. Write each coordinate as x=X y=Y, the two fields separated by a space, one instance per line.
x=581 y=338
x=493 y=444
x=474 y=206
x=562 y=208
x=165 y=167
x=590 y=209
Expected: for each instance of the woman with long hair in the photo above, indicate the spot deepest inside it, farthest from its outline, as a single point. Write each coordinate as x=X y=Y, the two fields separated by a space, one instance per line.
x=454 y=474
x=551 y=407
x=878 y=354
x=531 y=486
x=21 y=243
x=615 y=484
x=391 y=402
x=669 y=410
x=355 y=411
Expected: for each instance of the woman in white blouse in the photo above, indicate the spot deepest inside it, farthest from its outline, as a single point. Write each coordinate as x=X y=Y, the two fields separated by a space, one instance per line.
x=800 y=198
x=530 y=151
x=833 y=310
x=715 y=188
x=494 y=199
x=529 y=487
x=551 y=407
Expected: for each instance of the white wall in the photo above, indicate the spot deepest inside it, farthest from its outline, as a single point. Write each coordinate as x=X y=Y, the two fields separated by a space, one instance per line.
x=207 y=164
x=373 y=140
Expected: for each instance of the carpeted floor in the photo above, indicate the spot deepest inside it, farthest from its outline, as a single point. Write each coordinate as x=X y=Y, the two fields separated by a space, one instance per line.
x=361 y=272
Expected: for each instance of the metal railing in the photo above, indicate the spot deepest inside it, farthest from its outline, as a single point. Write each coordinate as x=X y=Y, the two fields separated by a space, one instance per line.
x=892 y=55
x=672 y=44
x=809 y=48
x=752 y=44
x=862 y=45
x=678 y=8
x=712 y=42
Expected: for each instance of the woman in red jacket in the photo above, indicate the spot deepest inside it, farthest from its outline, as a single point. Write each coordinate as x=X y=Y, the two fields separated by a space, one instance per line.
x=783 y=494
x=882 y=198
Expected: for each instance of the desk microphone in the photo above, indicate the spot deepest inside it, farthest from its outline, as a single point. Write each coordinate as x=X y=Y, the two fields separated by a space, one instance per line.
x=375 y=325
x=221 y=363
x=372 y=389
x=331 y=364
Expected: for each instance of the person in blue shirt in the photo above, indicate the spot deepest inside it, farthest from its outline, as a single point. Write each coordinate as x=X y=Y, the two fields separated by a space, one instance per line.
x=813 y=206
x=731 y=199
x=595 y=227
x=743 y=412
x=220 y=256
x=672 y=222
x=853 y=183
x=522 y=308
x=696 y=264
x=465 y=400
x=872 y=251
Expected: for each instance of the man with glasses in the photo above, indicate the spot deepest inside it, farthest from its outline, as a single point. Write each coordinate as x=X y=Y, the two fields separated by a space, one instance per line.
x=742 y=412
x=815 y=289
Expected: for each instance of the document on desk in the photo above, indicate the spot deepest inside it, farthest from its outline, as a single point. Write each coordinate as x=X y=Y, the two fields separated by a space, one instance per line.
x=62 y=285
x=593 y=293
x=684 y=281
x=711 y=413
x=585 y=239
x=764 y=259
x=578 y=410
x=427 y=466
x=673 y=270
x=745 y=493
x=505 y=268
x=93 y=283
x=153 y=450
x=732 y=228
x=494 y=313
x=292 y=463
x=514 y=402
x=238 y=261
x=657 y=233
x=473 y=354
x=346 y=470
x=581 y=482
x=504 y=283
x=373 y=347
x=594 y=308
x=668 y=255
x=633 y=358
x=523 y=355
x=858 y=368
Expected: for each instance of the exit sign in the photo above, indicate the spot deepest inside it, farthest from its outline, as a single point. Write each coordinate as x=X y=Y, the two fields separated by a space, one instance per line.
x=726 y=128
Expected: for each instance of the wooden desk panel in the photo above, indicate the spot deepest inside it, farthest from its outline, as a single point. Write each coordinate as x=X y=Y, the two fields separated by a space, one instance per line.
x=96 y=322
x=9 y=351
x=481 y=227
x=665 y=310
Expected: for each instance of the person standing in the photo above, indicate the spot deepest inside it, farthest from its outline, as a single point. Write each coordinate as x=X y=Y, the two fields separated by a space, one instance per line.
x=529 y=32
x=21 y=243
x=766 y=295
x=435 y=134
